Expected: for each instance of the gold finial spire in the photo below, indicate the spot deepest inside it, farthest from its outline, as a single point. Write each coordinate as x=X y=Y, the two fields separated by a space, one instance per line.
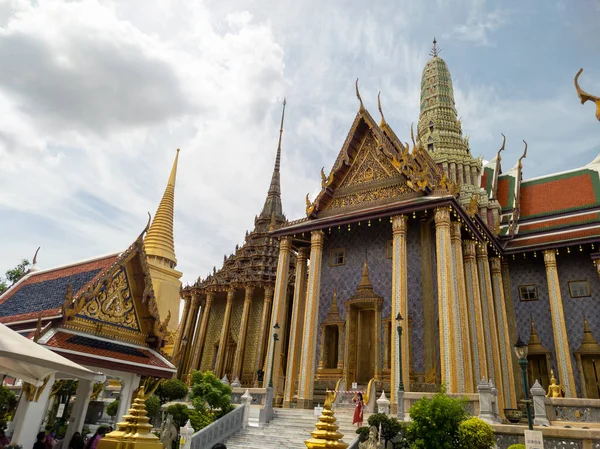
x=362 y=107
x=159 y=239
x=383 y=122
x=503 y=144
x=273 y=200
x=435 y=50
x=584 y=96
x=524 y=155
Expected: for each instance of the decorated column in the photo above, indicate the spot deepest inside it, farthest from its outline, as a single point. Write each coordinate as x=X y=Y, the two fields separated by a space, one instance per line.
x=489 y=322
x=561 y=342
x=273 y=356
x=378 y=345
x=450 y=346
x=262 y=335
x=306 y=377
x=188 y=335
x=184 y=318
x=220 y=363
x=201 y=332
x=461 y=317
x=506 y=346
x=239 y=351
x=399 y=305
x=30 y=412
x=476 y=326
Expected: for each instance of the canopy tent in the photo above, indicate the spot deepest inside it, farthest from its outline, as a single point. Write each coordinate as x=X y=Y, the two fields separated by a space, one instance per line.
x=26 y=360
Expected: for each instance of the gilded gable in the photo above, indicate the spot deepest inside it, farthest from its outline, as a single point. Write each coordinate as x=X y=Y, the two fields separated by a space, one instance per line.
x=370 y=164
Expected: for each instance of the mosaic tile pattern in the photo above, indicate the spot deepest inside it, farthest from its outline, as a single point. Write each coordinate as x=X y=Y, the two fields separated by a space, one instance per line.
x=372 y=241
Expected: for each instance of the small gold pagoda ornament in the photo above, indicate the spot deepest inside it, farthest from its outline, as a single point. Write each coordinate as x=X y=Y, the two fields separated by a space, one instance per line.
x=135 y=431
x=326 y=434
x=555 y=390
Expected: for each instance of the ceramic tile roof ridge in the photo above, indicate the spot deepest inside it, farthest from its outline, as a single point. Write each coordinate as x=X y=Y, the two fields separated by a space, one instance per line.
x=593 y=165
x=33 y=274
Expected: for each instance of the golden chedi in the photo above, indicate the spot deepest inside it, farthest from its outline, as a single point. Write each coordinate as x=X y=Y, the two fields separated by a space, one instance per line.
x=135 y=431
x=326 y=434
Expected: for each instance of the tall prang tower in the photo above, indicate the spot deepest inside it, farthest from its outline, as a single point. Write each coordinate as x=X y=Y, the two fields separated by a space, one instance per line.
x=160 y=250
x=440 y=130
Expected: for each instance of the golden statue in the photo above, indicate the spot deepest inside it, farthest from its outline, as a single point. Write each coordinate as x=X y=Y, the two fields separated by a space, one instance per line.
x=584 y=96
x=555 y=390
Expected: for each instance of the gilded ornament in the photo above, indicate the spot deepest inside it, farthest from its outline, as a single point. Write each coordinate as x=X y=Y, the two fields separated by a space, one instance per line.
x=555 y=390
x=472 y=207
x=584 y=96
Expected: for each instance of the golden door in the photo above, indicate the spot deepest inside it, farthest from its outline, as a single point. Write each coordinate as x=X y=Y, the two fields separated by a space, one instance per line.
x=365 y=346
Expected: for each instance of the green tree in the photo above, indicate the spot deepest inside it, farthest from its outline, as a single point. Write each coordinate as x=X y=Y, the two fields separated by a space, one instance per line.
x=209 y=393
x=200 y=420
x=112 y=408
x=13 y=275
x=516 y=446
x=435 y=422
x=180 y=413
x=152 y=405
x=8 y=404
x=391 y=429
x=171 y=390
x=476 y=434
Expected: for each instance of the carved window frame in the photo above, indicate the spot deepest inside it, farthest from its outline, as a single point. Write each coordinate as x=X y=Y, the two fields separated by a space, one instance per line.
x=333 y=257
x=389 y=249
x=528 y=292
x=575 y=286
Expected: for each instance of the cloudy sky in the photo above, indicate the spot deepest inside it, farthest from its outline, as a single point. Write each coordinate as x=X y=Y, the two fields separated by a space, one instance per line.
x=96 y=95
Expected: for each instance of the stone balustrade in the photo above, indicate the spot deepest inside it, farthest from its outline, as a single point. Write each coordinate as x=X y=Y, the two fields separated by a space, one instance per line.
x=258 y=395
x=574 y=410
x=220 y=430
x=554 y=437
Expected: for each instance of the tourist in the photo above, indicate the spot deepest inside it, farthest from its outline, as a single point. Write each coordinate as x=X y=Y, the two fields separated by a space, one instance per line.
x=50 y=441
x=93 y=442
x=358 y=410
x=76 y=441
x=39 y=444
x=4 y=441
x=219 y=446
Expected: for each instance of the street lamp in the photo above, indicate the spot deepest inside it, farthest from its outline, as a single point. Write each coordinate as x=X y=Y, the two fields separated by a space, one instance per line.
x=521 y=350
x=399 y=328
x=275 y=338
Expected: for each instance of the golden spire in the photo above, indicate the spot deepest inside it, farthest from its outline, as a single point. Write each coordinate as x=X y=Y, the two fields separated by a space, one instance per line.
x=159 y=239
x=273 y=201
x=435 y=50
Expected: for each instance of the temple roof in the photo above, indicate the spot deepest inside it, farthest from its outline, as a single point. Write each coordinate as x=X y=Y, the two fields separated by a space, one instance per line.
x=159 y=240
x=44 y=292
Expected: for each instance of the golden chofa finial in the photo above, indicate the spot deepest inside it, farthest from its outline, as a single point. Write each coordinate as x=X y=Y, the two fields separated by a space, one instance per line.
x=524 y=155
x=584 y=96
x=383 y=122
x=503 y=145
x=435 y=50
x=362 y=107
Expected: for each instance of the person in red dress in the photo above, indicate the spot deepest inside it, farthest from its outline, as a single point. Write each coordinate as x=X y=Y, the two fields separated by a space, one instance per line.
x=358 y=410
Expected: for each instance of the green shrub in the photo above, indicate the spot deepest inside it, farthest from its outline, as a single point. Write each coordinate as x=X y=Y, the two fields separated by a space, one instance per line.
x=476 y=434
x=180 y=413
x=363 y=433
x=171 y=390
x=517 y=446
x=112 y=408
x=435 y=422
x=199 y=420
x=208 y=392
x=8 y=404
x=152 y=405
x=391 y=429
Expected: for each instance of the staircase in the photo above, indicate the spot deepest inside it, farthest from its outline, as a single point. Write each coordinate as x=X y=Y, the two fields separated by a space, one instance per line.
x=288 y=429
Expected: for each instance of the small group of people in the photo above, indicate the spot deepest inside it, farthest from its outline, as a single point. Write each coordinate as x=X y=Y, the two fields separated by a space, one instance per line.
x=47 y=441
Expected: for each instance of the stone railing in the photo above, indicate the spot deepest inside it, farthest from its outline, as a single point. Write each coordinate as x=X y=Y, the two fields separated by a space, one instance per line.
x=554 y=437
x=220 y=430
x=258 y=395
x=573 y=410
x=354 y=443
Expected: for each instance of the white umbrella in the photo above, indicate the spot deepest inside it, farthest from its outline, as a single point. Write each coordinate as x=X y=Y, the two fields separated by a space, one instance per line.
x=24 y=359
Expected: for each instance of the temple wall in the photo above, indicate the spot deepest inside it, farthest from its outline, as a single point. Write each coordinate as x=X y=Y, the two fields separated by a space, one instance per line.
x=252 y=333
x=571 y=267
x=215 y=323
x=373 y=241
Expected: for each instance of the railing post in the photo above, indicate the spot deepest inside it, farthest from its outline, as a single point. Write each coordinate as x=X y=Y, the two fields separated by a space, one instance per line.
x=246 y=401
x=383 y=404
x=538 y=396
x=486 y=412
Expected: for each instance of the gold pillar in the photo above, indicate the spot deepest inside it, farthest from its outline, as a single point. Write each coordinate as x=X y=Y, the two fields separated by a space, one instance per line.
x=460 y=309
x=220 y=363
x=188 y=333
x=273 y=358
x=510 y=314
x=307 y=374
x=450 y=346
x=506 y=346
x=399 y=305
x=194 y=355
x=429 y=321
x=378 y=343
x=476 y=325
x=489 y=322
x=239 y=350
x=262 y=335
x=201 y=332
x=559 y=328
x=184 y=318
x=341 y=339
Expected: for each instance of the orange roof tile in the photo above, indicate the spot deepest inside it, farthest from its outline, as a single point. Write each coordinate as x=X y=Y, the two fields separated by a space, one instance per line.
x=555 y=238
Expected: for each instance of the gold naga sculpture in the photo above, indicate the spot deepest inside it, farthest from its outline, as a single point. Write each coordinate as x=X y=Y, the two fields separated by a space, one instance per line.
x=584 y=96
x=555 y=390
x=326 y=434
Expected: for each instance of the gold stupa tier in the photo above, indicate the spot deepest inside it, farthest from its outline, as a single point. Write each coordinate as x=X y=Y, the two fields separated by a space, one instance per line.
x=135 y=431
x=326 y=434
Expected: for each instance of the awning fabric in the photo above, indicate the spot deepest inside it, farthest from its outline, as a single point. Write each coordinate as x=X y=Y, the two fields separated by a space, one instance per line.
x=26 y=360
